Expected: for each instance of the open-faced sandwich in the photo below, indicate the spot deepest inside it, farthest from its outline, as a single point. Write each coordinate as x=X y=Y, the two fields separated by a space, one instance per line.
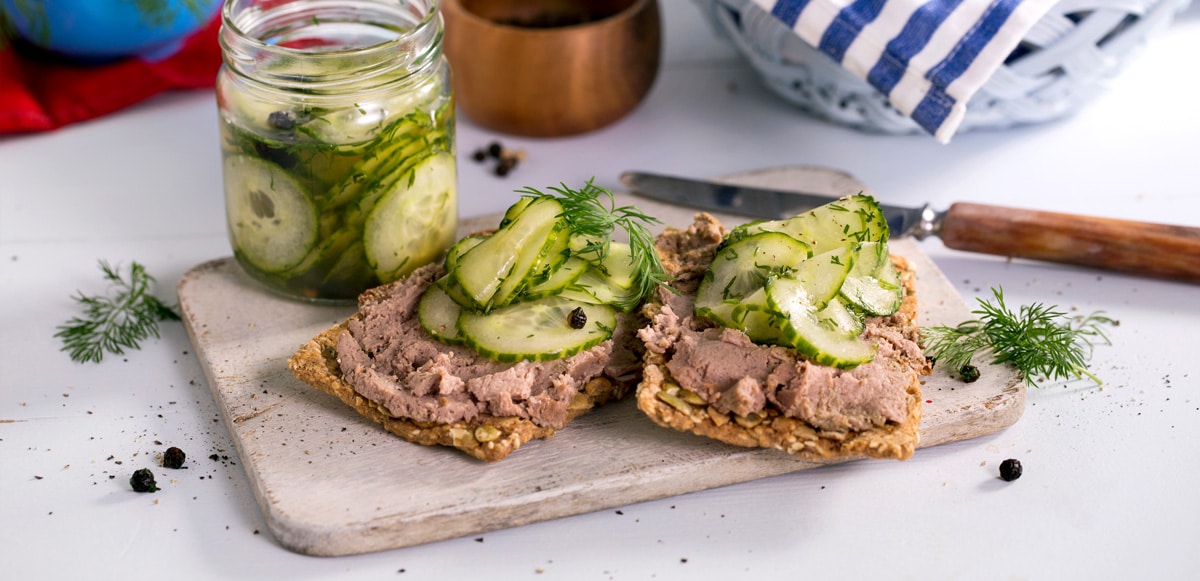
x=517 y=332
x=797 y=334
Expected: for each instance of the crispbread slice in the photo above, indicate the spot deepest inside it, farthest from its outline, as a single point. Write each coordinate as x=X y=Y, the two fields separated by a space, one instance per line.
x=485 y=437
x=660 y=398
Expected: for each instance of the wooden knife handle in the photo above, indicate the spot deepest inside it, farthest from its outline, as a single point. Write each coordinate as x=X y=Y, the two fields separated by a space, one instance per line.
x=1141 y=248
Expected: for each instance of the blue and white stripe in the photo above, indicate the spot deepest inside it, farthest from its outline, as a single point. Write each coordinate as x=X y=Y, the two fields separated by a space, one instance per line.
x=928 y=56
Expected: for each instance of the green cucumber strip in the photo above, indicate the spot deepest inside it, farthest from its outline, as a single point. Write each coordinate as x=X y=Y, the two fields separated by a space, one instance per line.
x=438 y=315
x=827 y=336
x=569 y=273
x=272 y=221
x=840 y=318
x=617 y=264
x=546 y=262
x=328 y=249
x=850 y=220
x=753 y=317
x=384 y=153
x=377 y=187
x=510 y=252
x=741 y=268
x=415 y=222
x=874 y=285
x=537 y=330
x=460 y=247
x=514 y=210
x=594 y=287
x=449 y=285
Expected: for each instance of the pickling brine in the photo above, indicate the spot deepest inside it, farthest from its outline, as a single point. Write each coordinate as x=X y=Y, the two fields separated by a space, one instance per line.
x=337 y=139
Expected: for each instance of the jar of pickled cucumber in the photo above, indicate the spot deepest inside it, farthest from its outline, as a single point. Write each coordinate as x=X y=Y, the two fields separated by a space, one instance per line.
x=337 y=142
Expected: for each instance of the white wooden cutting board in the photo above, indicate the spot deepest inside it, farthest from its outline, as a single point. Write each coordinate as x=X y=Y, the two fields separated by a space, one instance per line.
x=332 y=483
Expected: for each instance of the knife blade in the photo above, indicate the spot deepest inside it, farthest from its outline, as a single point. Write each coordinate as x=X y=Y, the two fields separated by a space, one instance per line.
x=1140 y=248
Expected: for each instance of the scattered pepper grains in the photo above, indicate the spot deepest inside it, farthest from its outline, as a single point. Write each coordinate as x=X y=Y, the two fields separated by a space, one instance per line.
x=506 y=160
x=173 y=458
x=143 y=481
x=1010 y=469
x=969 y=373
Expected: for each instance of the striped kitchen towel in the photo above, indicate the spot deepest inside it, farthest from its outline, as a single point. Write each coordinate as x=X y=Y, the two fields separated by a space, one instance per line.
x=928 y=56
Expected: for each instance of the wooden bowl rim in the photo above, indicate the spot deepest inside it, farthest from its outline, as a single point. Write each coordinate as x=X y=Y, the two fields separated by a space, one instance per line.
x=635 y=8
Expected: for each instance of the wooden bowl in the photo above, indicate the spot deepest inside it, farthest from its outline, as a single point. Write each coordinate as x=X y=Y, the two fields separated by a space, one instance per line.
x=548 y=68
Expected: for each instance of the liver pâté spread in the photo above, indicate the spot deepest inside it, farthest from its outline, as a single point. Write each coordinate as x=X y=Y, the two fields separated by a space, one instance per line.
x=391 y=360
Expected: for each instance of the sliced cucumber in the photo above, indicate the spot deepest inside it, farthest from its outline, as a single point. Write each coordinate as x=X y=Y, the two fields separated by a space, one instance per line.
x=514 y=210
x=374 y=165
x=415 y=222
x=850 y=220
x=828 y=336
x=534 y=268
x=822 y=275
x=395 y=176
x=459 y=248
x=874 y=285
x=272 y=221
x=438 y=314
x=754 y=317
x=509 y=252
x=741 y=268
x=567 y=274
x=449 y=285
x=326 y=249
x=594 y=287
x=536 y=330
x=349 y=268
x=617 y=265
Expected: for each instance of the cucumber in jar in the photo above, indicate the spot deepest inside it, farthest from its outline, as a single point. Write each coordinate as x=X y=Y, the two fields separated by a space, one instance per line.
x=415 y=221
x=360 y=213
x=272 y=220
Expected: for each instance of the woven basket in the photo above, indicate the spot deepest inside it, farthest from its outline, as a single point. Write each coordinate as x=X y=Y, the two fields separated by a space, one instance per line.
x=1068 y=57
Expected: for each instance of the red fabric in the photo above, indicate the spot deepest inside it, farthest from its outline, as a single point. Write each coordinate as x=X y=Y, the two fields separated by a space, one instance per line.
x=41 y=92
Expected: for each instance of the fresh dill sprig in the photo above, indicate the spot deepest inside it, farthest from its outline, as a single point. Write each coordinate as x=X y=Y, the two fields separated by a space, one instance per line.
x=1039 y=340
x=592 y=215
x=120 y=320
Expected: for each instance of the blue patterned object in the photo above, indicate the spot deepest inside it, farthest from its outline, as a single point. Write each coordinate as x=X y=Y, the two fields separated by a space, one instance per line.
x=102 y=30
x=939 y=66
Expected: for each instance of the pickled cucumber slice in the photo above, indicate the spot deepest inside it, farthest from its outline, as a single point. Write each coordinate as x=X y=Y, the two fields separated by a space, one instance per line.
x=415 y=222
x=510 y=252
x=874 y=285
x=829 y=336
x=847 y=221
x=618 y=265
x=595 y=287
x=565 y=275
x=272 y=220
x=438 y=314
x=536 y=330
x=743 y=267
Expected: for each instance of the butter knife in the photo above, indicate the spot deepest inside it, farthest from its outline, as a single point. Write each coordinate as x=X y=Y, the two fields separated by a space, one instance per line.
x=1140 y=248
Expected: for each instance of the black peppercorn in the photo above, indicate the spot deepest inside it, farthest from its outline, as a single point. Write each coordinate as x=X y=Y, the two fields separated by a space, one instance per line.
x=577 y=319
x=143 y=481
x=969 y=373
x=173 y=458
x=505 y=166
x=281 y=120
x=495 y=149
x=480 y=155
x=1010 y=469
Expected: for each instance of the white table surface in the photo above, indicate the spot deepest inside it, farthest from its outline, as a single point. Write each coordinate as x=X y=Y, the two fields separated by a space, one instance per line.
x=1111 y=478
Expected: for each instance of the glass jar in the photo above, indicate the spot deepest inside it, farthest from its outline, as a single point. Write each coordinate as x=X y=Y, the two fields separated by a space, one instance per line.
x=337 y=142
